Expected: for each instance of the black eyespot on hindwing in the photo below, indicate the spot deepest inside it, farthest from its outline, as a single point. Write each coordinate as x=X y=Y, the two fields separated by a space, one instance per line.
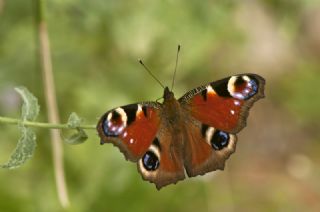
x=150 y=161
x=219 y=140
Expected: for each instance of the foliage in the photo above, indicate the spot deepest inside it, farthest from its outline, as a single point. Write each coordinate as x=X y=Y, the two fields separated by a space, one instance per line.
x=96 y=46
x=27 y=143
x=77 y=138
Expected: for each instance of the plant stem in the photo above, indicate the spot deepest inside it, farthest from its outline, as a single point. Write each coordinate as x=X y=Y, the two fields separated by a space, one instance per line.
x=51 y=103
x=7 y=120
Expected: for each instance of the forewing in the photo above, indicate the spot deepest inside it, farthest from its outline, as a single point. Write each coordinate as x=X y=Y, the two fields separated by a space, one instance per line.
x=132 y=128
x=142 y=137
x=224 y=104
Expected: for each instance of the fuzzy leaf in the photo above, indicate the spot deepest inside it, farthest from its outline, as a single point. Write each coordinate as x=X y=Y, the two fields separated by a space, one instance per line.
x=30 y=107
x=27 y=142
x=74 y=121
x=77 y=138
x=24 y=149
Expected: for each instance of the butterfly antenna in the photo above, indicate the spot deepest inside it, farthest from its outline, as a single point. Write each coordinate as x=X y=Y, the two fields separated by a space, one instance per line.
x=154 y=77
x=175 y=69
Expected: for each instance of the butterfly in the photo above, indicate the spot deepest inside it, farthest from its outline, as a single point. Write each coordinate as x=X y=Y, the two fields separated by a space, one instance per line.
x=192 y=135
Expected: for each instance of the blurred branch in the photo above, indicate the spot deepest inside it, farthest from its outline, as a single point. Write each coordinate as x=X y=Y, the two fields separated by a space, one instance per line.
x=52 y=108
x=43 y=125
x=1 y=5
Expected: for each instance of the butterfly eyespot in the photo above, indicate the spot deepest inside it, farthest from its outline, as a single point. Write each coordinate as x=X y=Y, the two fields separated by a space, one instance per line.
x=219 y=140
x=113 y=124
x=189 y=136
x=253 y=88
x=243 y=87
x=150 y=161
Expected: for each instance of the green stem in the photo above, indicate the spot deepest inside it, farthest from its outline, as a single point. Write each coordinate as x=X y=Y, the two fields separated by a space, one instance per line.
x=42 y=124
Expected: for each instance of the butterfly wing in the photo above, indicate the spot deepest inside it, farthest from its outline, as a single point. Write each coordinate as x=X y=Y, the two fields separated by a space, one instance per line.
x=131 y=128
x=162 y=164
x=140 y=134
x=225 y=103
x=201 y=142
x=206 y=148
x=216 y=112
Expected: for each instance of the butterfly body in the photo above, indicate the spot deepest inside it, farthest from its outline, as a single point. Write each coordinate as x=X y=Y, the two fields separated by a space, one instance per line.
x=195 y=133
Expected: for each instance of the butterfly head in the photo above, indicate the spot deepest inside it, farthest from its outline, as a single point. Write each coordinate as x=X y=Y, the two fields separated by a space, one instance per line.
x=167 y=94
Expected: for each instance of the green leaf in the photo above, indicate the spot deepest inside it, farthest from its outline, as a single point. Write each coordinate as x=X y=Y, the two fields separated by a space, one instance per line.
x=27 y=142
x=30 y=107
x=24 y=149
x=77 y=138
x=75 y=121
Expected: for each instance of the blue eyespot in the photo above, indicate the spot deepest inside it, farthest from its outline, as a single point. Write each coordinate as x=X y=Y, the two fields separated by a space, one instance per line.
x=150 y=161
x=253 y=88
x=245 y=89
x=219 y=140
x=111 y=130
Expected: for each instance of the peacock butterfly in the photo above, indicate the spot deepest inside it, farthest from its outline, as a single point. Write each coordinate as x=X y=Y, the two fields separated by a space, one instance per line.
x=195 y=133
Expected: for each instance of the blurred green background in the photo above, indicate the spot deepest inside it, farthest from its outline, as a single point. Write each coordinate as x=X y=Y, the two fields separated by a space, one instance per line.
x=95 y=48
